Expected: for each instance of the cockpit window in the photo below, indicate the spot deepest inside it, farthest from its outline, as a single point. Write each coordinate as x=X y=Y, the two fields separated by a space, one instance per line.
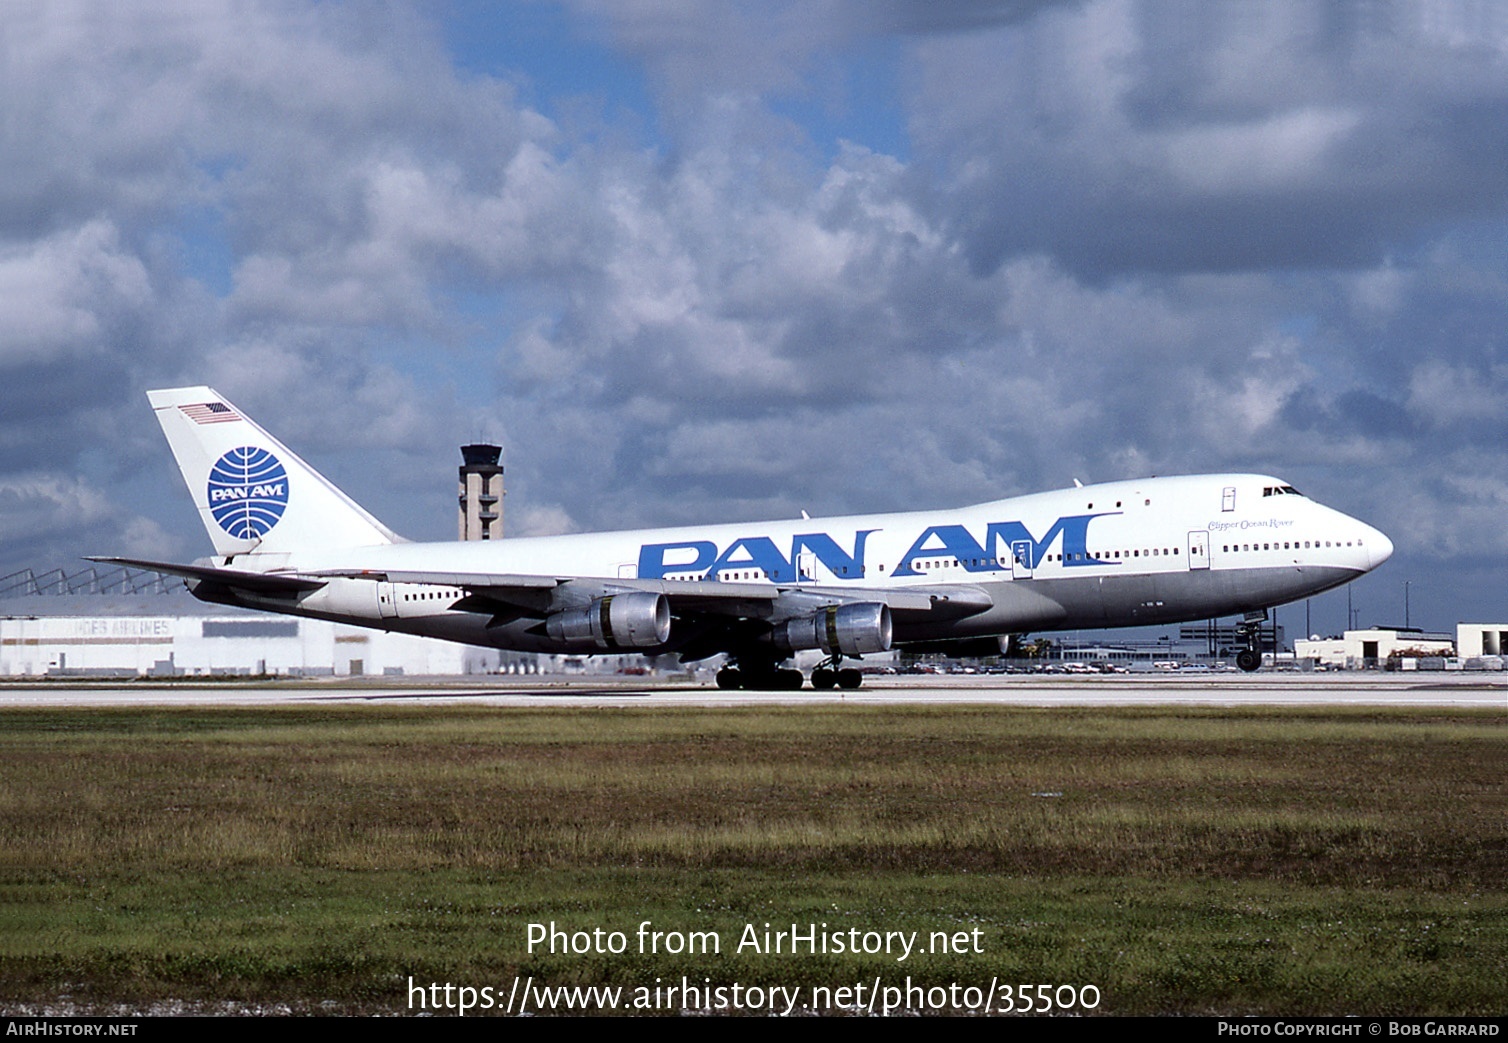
x=1281 y=490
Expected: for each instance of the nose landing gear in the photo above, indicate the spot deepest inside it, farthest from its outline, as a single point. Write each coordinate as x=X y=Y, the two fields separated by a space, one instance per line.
x=1249 y=631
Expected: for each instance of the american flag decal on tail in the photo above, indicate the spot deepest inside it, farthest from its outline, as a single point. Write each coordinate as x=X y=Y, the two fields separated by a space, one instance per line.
x=210 y=413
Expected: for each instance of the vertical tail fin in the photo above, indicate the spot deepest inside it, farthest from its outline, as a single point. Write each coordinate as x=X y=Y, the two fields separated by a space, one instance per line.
x=253 y=493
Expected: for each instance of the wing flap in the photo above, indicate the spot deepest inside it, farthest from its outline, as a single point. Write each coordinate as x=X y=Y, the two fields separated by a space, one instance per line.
x=470 y=580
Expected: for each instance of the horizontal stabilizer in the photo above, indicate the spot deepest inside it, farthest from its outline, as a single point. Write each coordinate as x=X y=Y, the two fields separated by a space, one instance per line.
x=255 y=582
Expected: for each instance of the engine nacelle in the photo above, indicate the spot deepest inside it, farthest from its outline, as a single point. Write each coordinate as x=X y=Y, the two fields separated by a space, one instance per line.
x=845 y=629
x=635 y=620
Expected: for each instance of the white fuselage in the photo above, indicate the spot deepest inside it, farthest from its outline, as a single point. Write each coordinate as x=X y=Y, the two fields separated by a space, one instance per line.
x=1130 y=553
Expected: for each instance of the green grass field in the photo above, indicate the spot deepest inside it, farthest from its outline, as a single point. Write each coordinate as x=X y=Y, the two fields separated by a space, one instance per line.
x=1196 y=861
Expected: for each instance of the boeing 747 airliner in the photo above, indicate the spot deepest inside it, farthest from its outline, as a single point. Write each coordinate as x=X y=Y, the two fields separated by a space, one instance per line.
x=1129 y=553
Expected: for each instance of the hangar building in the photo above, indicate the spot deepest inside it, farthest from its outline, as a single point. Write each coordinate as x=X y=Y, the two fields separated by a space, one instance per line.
x=186 y=645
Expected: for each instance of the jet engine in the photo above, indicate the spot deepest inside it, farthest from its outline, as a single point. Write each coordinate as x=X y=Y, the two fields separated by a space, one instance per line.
x=839 y=629
x=634 y=620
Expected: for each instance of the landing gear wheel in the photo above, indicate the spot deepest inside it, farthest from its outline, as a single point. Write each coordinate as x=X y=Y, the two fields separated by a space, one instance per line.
x=1249 y=632
x=822 y=678
x=789 y=680
x=850 y=679
x=729 y=678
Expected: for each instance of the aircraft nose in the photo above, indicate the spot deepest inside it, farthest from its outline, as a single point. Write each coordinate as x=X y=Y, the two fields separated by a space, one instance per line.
x=1379 y=548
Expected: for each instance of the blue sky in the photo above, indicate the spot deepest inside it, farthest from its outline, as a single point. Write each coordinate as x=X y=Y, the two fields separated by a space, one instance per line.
x=720 y=260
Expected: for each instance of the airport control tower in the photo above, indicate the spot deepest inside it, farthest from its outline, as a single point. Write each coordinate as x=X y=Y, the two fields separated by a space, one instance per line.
x=481 y=492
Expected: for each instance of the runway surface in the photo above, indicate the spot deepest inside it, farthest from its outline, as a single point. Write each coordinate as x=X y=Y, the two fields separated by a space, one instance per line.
x=1486 y=691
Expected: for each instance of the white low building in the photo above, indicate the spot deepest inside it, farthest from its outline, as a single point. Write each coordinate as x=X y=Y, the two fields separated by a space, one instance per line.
x=177 y=646
x=1481 y=639
x=1360 y=648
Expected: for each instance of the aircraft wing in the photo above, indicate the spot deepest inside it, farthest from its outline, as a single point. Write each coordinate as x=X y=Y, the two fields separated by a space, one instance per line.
x=541 y=595
x=773 y=602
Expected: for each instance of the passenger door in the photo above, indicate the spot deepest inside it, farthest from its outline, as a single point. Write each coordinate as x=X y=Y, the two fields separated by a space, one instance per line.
x=1021 y=559
x=1199 y=549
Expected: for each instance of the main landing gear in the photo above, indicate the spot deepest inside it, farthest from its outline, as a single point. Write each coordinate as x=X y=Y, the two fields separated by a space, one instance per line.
x=827 y=675
x=1249 y=631
x=760 y=679
x=765 y=676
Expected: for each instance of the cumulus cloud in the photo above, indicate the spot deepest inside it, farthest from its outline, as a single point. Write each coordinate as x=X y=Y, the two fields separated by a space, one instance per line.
x=1143 y=137
x=1445 y=396
x=61 y=294
x=36 y=504
x=45 y=520
x=1121 y=237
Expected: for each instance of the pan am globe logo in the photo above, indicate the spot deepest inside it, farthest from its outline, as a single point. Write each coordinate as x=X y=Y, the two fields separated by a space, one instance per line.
x=248 y=492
